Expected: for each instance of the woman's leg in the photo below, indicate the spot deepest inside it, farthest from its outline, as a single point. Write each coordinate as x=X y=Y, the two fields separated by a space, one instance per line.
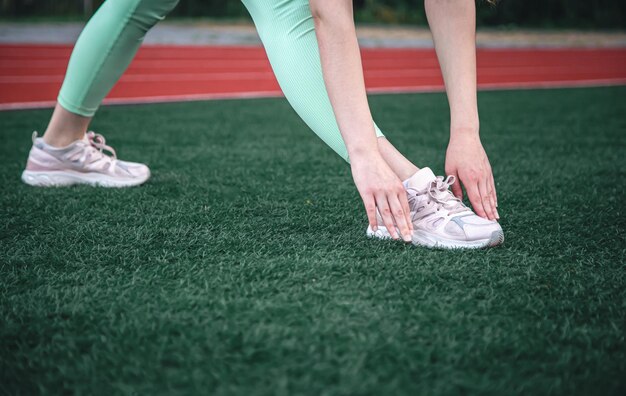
x=102 y=53
x=398 y=163
x=288 y=34
x=65 y=127
x=66 y=155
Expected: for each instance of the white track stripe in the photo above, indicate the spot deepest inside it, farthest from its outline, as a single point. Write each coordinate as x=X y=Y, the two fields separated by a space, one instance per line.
x=268 y=75
x=274 y=94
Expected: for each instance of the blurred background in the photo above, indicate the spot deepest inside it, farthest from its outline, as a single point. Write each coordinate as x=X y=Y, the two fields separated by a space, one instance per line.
x=521 y=43
x=583 y=14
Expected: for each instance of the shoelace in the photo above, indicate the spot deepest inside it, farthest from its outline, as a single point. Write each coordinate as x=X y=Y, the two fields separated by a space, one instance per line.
x=99 y=142
x=439 y=193
x=96 y=144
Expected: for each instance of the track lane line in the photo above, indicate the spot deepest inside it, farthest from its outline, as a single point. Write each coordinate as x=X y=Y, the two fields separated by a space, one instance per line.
x=278 y=93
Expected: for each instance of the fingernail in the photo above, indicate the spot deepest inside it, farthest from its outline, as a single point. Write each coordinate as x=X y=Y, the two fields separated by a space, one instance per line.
x=375 y=228
x=406 y=238
x=497 y=215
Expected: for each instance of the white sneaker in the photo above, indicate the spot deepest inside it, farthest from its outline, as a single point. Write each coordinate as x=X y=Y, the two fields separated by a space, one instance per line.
x=82 y=162
x=440 y=220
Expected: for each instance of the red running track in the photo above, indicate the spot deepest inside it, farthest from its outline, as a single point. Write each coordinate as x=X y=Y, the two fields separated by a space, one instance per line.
x=31 y=75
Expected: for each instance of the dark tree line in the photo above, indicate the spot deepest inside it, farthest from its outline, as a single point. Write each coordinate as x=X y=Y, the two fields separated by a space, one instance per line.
x=592 y=14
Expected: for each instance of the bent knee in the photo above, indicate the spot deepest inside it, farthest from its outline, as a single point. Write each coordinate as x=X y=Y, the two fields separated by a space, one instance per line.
x=270 y=9
x=147 y=13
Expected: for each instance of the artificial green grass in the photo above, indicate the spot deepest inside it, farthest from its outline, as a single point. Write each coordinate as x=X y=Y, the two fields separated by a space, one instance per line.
x=242 y=266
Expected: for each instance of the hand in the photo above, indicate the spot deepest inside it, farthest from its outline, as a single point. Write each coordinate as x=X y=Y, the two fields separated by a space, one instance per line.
x=380 y=188
x=467 y=161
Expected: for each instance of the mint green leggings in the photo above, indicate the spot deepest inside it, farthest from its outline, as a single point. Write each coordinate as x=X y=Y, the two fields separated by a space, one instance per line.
x=110 y=40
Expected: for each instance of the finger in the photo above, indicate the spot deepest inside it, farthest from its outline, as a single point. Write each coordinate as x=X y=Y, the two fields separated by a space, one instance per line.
x=370 y=209
x=485 y=197
x=404 y=201
x=491 y=188
x=399 y=217
x=457 y=190
x=474 y=196
x=495 y=195
x=385 y=213
x=494 y=200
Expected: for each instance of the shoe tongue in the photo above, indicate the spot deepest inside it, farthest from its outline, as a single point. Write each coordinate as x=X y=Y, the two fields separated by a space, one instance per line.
x=421 y=179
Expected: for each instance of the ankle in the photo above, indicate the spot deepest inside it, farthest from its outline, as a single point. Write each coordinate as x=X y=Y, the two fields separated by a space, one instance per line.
x=401 y=166
x=407 y=171
x=65 y=127
x=61 y=139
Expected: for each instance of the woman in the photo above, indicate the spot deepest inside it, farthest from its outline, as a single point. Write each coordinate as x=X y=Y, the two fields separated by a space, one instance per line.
x=67 y=154
x=439 y=217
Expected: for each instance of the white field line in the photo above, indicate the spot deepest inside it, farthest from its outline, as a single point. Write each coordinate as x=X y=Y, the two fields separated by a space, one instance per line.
x=268 y=75
x=274 y=94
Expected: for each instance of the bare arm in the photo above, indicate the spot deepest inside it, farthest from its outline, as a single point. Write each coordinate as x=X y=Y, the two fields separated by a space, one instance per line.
x=453 y=26
x=378 y=186
x=343 y=74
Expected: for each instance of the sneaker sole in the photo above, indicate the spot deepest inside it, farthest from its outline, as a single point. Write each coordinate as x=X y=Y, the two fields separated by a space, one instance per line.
x=421 y=238
x=70 y=178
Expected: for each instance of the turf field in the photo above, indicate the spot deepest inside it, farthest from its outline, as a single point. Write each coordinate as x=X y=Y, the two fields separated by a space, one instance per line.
x=242 y=266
